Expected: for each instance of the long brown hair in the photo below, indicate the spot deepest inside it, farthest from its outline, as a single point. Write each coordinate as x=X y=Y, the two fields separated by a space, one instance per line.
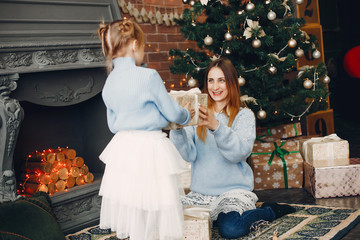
x=233 y=98
x=116 y=35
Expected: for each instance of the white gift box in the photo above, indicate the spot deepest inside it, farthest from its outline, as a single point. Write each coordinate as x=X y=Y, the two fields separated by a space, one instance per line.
x=325 y=151
x=195 y=98
x=197 y=223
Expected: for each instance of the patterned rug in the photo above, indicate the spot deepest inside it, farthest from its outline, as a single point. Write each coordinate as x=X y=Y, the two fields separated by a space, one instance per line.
x=308 y=222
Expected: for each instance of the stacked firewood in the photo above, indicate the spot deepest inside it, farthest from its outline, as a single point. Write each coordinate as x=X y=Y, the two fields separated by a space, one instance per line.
x=54 y=170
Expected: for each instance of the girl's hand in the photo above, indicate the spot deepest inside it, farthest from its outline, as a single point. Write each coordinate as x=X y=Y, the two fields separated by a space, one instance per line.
x=207 y=119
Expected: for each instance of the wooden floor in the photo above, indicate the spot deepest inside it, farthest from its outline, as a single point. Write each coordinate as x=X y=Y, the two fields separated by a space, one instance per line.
x=302 y=196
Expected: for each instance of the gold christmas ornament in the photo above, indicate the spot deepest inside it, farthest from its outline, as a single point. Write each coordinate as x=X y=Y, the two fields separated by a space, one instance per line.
x=261 y=114
x=292 y=43
x=307 y=83
x=208 y=40
x=240 y=12
x=241 y=81
x=228 y=36
x=326 y=79
x=192 y=82
x=316 y=54
x=250 y=6
x=272 y=69
x=299 y=52
x=271 y=15
x=256 y=43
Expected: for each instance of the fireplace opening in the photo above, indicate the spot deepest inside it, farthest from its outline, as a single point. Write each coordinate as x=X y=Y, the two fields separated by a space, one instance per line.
x=81 y=126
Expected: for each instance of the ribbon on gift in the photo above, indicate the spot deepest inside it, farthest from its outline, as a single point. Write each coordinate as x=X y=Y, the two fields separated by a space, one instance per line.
x=197 y=212
x=330 y=147
x=281 y=153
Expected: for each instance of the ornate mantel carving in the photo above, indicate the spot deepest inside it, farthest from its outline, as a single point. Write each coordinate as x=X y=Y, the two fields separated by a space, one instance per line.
x=41 y=37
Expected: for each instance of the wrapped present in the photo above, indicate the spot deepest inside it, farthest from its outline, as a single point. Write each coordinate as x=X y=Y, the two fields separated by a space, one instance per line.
x=325 y=151
x=195 y=98
x=277 y=165
x=282 y=131
x=197 y=223
x=336 y=181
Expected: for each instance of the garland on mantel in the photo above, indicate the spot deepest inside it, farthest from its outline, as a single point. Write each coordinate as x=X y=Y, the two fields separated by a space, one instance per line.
x=144 y=16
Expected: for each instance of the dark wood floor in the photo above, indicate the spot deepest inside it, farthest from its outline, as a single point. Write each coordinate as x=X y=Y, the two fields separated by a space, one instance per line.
x=302 y=196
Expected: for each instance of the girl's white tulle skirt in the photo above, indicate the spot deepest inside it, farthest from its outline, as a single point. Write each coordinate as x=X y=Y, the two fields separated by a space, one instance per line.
x=140 y=188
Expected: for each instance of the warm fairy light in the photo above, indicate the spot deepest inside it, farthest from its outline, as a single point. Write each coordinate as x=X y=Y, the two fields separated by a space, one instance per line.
x=29 y=156
x=172 y=85
x=181 y=84
x=169 y=58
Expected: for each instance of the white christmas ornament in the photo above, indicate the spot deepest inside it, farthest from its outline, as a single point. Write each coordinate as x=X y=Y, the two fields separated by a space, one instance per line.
x=299 y=1
x=250 y=6
x=261 y=114
x=241 y=81
x=192 y=82
x=228 y=36
x=208 y=40
x=272 y=69
x=299 y=52
x=326 y=79
x=256 y=43
x=292 y=43
x=227 y=51
x=307 y=83
x=316 y=54
x=271 y=15
x=204 y=2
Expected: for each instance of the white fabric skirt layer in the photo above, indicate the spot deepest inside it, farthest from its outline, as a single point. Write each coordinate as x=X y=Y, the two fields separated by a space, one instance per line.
x=140 y=188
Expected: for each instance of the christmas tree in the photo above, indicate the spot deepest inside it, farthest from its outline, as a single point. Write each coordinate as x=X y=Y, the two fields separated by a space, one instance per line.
x=263 y=40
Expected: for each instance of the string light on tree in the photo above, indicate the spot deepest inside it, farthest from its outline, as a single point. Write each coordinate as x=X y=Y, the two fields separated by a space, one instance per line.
x=316 y=54
x=271 y=15
x=208 y=40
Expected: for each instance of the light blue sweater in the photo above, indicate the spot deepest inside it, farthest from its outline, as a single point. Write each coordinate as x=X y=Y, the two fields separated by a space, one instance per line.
x=136 y=99
x=219 y=165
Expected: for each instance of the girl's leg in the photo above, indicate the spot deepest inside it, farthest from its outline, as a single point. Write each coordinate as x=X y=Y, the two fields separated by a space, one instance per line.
x=232 y=225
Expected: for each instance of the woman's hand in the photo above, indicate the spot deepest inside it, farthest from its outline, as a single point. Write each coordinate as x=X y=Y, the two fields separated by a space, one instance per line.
x=207 y=119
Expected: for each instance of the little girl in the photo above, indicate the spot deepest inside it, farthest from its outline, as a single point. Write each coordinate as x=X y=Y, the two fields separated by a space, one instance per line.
x=140 y=191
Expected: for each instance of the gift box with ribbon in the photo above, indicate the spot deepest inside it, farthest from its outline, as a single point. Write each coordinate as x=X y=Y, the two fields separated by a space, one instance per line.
x=277 y=165
x=336 y=181
x=325 y=151
x=283 y=131
x=197 y=223
x=195 y=98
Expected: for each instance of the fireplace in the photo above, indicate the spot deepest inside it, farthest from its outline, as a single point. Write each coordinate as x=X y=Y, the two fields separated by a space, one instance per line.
x=51 y=76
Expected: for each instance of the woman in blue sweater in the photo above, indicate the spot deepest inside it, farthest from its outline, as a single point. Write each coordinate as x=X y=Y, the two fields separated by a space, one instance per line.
x=139 y=189
x=217 y=150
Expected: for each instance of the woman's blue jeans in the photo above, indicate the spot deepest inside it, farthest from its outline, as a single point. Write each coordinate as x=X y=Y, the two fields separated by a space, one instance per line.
x=234 y=225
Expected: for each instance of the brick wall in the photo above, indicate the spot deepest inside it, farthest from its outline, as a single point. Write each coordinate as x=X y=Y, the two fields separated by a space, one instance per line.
x=161 y=38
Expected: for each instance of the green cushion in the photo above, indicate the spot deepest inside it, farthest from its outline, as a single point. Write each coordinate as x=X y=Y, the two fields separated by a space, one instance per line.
x=29 y=218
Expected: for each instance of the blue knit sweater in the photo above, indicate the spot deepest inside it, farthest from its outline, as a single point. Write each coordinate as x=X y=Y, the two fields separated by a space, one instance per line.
x=136 y=99
x=219 y=165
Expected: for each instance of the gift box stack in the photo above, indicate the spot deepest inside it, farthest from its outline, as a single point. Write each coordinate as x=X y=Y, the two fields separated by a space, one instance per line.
x=328 y=170
x=276 y=160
